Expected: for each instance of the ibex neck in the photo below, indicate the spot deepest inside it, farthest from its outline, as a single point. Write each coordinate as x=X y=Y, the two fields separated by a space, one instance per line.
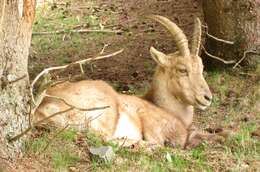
x=160 y=96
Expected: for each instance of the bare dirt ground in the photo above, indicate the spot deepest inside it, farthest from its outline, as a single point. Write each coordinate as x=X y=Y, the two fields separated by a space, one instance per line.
x=134 y=64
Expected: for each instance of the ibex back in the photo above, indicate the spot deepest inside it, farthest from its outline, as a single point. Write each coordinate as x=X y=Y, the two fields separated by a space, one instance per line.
x=178 y=85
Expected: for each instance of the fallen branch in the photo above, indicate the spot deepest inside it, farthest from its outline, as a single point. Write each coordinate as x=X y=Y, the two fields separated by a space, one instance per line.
x=18 y=79
x=78 y=31
x=248 y=74
x=55 y=135
x=49 y=117
x=30 y=114
x=103 y=49
x=37 y=123
x=80 y=62
x=214 y=37
x=244 y=56
x=218 y=58
x=70 y=105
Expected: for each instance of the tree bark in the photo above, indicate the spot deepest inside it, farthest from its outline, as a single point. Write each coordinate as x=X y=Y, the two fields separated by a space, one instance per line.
x=234 y=20
x=16 y=18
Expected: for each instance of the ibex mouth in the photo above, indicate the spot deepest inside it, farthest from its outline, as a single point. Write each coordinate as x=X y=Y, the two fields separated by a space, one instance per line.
x=201 y=105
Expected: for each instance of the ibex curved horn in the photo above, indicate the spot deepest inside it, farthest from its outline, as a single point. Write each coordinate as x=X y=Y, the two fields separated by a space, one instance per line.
x=178 y=36
x=196 y=38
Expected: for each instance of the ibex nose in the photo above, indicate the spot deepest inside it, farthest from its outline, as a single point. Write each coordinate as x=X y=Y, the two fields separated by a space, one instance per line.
x=208 y=97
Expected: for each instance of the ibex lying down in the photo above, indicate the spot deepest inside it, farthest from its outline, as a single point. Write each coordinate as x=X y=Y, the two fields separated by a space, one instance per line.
x=178 y=85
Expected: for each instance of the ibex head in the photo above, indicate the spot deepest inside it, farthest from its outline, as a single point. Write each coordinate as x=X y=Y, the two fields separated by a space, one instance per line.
x=183 y=69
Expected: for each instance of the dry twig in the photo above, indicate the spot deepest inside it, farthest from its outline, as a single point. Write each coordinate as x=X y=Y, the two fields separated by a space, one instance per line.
x=54 y=136
x=218 y=58
x=244 y=56
x=37 y=123
x=220 y=40
x=103 y=49
x=124 y=141
x=70 y=105
x=29 y=114
x=80 y=62
x=248 y=74
x=49 y=117
x=217 y=39
x=18 y=79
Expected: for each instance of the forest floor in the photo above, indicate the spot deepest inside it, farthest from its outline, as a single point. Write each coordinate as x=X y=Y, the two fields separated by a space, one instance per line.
x=236 y=92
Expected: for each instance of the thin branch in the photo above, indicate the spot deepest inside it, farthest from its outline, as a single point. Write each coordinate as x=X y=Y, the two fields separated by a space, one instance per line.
x=214 y=37
x=37 y=123
x=244 y=56
x=46 y=71
x=81 y=68
x=47 y=118
x=220 y=40
x=69 y=109
x=70 y=105
x=18 y=79
x=248 y=74
x=78 y=31
x=29 y=114
x=103 y=49
x=54 y=136
x=99 y=57
x=92 y=119
x=218 y=58
x=122 y=145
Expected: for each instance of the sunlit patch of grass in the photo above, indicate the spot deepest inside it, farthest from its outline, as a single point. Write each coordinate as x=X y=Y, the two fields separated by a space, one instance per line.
x=244 y=149
x=63 y=46
x=63 y=159
x=36 y=145
x=59 y=18
x=68 y=135
x=242 y=142
x=98 y=164
x=93 y=139
x=59 y=151
x=160 y=159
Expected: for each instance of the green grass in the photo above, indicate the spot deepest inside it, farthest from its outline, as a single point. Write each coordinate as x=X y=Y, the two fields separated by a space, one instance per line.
x=36 y=145
x=234 y=154
x=62 y=160
x=68 y=135
x=63 y=46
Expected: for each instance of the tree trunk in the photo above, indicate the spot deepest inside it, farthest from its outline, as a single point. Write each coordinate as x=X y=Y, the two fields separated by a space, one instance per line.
x=16 y=17
x=234 y=20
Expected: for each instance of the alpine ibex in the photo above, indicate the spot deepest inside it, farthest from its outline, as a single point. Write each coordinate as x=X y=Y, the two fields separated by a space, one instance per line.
x=178 y=85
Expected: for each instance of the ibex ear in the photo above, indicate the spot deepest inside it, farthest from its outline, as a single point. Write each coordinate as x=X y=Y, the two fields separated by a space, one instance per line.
x=159 y=57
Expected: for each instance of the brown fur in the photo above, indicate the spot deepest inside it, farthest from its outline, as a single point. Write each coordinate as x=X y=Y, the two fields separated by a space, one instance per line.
x=178 y=83
x=177 y=86
x=151 y=122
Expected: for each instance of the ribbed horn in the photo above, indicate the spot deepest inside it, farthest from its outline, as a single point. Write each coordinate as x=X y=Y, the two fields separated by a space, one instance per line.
x=196 y=38
x=178 y=36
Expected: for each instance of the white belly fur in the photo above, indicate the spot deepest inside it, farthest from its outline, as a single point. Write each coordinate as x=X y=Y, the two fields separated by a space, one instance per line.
x=126 y=128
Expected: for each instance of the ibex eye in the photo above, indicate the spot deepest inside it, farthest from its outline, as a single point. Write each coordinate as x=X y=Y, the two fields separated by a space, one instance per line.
x=182 y=70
